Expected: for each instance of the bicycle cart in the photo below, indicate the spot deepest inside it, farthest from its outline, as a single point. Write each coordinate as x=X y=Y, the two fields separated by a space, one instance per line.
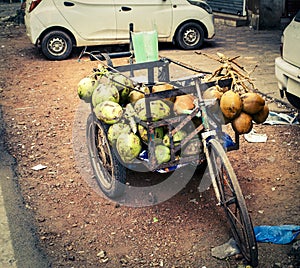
x=110 y=172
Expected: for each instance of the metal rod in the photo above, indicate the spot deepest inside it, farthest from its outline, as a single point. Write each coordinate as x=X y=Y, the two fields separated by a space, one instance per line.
x=188 y=66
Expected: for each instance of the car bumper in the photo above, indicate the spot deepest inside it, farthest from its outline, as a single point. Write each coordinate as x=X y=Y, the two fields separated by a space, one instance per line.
x=210 y=26
x=34 y=28
x=288 y=77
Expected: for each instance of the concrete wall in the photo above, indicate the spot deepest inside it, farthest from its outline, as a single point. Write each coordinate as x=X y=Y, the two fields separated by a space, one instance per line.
x=270 y=13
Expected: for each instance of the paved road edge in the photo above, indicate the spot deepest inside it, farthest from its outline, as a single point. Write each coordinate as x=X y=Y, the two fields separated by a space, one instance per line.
x=23 y=249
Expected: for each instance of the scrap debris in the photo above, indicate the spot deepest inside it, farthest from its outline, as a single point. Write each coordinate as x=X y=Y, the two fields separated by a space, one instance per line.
x=241 y=81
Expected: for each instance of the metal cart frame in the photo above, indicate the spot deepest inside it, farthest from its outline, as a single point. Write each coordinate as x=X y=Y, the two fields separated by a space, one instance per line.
x=110 y=173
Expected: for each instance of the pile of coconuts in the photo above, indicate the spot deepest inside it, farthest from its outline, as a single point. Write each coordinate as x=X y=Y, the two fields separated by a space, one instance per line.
x=240 y=109
x=116 y=101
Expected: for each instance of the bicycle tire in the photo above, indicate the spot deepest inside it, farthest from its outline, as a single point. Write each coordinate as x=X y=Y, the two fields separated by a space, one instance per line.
x=110 y=174
x=233 y=202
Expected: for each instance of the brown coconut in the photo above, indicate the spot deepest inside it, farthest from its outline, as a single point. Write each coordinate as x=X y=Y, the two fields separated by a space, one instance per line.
x=252 y=102
x=261 y=116
x=162 y=86
x=226 y=120
x=230 y=104
x=242 y=124
x=212 y=93
x=184 y=102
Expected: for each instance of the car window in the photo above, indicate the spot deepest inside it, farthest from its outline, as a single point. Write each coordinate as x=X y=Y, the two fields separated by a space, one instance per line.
x=297 y=17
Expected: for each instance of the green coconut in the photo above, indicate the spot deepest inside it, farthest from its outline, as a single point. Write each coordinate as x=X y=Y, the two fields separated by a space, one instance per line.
x=159 y=109
x=86 y=87
x=162 y=154
x=108 y=111
x=105 y=92
x=128 y=146
x=139 y=93
x=158 y=134
x=123 y=84
x=115 y=130
x=178 y=136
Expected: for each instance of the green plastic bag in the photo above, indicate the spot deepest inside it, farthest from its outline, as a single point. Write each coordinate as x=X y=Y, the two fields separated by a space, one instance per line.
x=145 y=45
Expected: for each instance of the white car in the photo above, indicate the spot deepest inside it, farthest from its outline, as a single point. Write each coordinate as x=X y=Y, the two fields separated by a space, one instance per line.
x=287 y=67
x=59 y=25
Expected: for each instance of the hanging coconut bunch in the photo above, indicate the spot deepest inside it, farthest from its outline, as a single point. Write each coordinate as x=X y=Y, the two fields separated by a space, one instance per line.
x=240 y=104
x=239 y=109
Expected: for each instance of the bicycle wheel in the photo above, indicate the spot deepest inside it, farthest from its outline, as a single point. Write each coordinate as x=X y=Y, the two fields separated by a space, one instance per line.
x=109 y=172
x=233 y=202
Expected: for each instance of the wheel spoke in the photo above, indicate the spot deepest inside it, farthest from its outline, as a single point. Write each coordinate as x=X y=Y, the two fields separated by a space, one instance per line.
x=229 y=202
x=109 y=173
x=233 y=203
x=104 y=156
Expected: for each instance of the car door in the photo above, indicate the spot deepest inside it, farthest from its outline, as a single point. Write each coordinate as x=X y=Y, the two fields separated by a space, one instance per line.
x=90 y=19
x=145 y=16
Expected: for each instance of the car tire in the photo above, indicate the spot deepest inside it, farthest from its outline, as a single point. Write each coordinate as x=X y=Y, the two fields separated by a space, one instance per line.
x=56 y=45
x=294 y=100
x=190 y=36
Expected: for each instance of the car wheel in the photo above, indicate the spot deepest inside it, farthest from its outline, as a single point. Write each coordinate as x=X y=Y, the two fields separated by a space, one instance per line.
x=294 y=100
x=190 y=36
x=56 y=45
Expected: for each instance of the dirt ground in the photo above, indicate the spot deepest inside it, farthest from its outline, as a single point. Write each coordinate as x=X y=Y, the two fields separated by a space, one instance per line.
x=78 y=227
